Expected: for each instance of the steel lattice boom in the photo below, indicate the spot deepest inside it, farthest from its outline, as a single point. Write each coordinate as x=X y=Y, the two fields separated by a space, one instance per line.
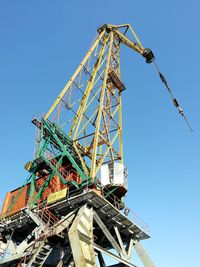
x=89 y=108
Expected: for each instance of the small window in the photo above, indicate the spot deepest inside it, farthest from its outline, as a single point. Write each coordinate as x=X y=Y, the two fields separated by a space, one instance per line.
x=12 y=200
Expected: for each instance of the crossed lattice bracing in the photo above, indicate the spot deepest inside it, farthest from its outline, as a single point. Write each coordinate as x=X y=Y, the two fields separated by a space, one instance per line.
x=82 y=236
x=89 y=108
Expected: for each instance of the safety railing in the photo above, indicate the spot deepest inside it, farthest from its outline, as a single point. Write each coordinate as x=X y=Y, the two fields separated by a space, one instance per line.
x=117 y=203
x=46 y=215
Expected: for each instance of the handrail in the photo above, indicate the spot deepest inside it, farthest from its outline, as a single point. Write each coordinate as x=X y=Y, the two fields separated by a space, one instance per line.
x=117 y=203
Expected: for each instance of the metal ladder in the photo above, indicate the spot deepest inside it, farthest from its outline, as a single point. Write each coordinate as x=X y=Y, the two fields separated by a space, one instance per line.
x=41 y=251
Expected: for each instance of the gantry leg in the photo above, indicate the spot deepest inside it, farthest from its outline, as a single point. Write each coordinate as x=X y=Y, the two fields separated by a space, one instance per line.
x=60 y=263
x=147 y=262
x=101 y=260
x=81 y=238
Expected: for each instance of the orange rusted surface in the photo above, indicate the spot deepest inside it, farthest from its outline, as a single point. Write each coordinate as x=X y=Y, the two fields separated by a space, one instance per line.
x=19 y=203
x=54 y=185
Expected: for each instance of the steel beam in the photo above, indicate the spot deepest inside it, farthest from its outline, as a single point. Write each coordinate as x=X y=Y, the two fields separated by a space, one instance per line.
x=108 y=253
x=81 y=238
x=147 y=262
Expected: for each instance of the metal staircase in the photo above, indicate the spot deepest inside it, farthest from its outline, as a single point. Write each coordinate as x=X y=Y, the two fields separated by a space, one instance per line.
x=46 y=215
x=42 y=216
x=41 y=252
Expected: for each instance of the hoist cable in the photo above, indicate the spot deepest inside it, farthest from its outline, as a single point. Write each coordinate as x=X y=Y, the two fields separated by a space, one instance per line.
x=174 y=100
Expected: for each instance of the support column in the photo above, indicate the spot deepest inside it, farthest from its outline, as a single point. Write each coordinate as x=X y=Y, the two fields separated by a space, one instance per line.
x=101 y=260
x=81 y=238
x=147 y=262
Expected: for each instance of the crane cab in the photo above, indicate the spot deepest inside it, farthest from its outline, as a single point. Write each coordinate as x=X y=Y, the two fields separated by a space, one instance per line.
x=114 y=178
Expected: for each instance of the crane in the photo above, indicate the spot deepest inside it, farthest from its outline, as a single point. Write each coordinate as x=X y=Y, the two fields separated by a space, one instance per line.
x=89 y=108
x=72 y=200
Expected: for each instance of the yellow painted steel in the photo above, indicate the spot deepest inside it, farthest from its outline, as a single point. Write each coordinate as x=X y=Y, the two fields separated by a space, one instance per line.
x=125 y=40
x=87 y=93
x=57 y=196
x=120 y=130
x=136 y=38
x=81 y=159
x=81 y=238
x=147 y=262
x=96 y=123
x=106 y=152
x=120 y=114
x=96 y=136
x=73 y=77
x=131 y=29
x=89 y=121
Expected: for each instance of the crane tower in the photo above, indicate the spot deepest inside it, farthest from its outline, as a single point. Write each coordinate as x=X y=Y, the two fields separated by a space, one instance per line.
x=70 y=210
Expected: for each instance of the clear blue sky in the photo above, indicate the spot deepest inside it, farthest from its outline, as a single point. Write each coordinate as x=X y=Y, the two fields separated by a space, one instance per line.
x=42 y=43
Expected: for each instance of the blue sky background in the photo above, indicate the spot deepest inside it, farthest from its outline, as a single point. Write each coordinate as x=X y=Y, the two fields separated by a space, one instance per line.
x=42 y=43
